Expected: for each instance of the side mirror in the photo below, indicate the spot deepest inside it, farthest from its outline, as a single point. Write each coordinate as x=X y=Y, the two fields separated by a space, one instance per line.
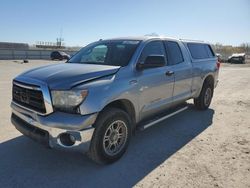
x=152 y=61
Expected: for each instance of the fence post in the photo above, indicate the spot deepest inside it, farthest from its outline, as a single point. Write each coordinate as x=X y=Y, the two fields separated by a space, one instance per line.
x=26 y=54
x=13 y=55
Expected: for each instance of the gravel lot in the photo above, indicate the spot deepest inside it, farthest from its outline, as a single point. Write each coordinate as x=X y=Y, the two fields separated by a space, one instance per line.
x=191 y=149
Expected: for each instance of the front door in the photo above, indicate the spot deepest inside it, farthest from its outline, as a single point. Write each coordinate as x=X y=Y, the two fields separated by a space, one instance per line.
x=155 y=84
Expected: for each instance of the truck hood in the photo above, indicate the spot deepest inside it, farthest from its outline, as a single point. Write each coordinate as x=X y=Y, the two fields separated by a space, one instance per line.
x=67 y=75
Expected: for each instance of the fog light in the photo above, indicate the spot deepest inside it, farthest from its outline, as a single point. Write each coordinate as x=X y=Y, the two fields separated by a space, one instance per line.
x=72 y=138
x=67 y=139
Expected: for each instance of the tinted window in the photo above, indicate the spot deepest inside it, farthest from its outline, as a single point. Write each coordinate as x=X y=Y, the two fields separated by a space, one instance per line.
x=209 y=51
x=200 y=51
x=116 y=53
x=55 y=54
x=152 y=48
x=174 y=53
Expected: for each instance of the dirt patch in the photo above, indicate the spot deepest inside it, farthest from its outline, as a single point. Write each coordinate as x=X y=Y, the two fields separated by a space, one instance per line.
x=191 y=149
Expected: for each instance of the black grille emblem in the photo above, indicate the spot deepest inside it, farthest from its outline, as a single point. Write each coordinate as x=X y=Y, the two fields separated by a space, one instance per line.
x=24 y=97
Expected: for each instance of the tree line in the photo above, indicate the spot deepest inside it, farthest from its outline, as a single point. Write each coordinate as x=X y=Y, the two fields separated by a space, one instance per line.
x=227 y=50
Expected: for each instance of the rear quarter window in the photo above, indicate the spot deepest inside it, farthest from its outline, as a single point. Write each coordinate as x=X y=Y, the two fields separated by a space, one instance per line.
x=200 y=51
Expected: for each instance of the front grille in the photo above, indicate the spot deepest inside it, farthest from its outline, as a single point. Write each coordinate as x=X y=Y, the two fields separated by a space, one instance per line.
x=28 y=97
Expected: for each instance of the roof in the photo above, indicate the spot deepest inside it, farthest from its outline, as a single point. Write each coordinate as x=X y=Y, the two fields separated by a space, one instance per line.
x=192 y=41
x=238 y=55
x=142 y=38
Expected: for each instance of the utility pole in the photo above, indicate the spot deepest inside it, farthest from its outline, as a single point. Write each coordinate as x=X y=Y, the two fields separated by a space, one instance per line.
x=60 y=39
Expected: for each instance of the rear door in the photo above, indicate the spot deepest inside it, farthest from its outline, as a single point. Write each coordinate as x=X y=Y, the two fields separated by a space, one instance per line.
x=155 y=87
x=182 y=68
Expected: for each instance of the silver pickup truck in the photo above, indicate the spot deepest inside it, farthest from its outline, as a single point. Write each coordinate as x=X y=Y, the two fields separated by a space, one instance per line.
x=109 y=89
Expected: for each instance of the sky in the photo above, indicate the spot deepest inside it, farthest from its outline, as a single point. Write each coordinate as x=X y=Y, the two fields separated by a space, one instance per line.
x=85 y=21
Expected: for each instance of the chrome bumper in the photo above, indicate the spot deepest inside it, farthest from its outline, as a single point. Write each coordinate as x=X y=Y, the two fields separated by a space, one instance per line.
x=55 y=124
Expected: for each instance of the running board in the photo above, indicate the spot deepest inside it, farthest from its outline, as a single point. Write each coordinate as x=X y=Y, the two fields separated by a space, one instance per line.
x=154 y=121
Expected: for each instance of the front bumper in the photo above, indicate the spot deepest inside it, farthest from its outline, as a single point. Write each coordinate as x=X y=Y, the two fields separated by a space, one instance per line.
x=48 y=129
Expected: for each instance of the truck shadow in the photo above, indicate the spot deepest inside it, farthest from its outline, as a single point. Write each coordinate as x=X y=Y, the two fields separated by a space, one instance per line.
x=24 y=163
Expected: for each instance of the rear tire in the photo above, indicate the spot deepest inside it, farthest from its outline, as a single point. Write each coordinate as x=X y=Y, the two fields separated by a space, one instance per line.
x=111 y=136
x=205 y=97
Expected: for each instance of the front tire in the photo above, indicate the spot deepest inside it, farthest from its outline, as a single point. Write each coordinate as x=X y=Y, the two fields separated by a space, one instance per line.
x=111 y=137
x=205 y=97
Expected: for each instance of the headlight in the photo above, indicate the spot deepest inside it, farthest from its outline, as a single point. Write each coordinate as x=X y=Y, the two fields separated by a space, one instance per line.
x=68 y=100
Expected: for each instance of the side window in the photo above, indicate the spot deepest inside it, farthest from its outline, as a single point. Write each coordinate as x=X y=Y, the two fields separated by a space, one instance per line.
x=200 y=51
x=152 y=48
x=174 y=53
x=209 y=50
x=96 y=54
x=58 y=54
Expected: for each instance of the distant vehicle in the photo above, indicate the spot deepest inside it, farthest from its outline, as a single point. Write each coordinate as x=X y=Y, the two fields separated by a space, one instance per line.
x=59 y=55
x=219 y=57
x=237 y=58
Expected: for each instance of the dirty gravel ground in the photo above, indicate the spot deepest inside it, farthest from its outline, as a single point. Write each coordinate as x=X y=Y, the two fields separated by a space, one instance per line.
x=192 y=149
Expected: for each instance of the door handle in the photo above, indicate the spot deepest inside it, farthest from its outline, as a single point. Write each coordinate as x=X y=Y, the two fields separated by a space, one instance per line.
x=169 y=73
x=133 y=82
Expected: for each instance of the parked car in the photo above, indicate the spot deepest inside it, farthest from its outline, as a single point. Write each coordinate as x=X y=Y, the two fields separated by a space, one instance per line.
x=59 y=55
x=237 y=58
x=111 y=88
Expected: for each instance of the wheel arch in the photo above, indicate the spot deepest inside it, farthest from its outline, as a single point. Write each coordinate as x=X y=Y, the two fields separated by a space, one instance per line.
x=125 y=105
x=207 y=79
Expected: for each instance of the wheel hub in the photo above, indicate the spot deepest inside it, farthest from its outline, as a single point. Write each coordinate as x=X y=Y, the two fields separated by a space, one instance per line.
x=208 y=95
x=115 y=137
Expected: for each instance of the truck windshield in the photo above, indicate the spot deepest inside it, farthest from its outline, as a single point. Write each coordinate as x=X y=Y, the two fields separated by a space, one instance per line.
x=114 y=53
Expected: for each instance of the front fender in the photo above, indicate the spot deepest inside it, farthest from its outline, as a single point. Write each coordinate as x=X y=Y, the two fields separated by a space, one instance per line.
x=107 y=90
